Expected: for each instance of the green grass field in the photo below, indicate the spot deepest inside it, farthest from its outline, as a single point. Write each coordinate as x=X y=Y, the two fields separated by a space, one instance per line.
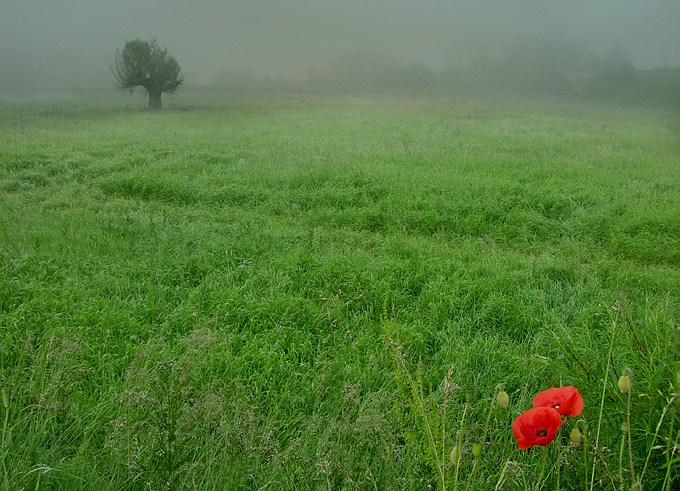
x=268 y=292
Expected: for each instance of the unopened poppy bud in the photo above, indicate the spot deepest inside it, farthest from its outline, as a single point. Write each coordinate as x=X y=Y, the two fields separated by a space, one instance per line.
x=624 y=428
x=476 y=450
x=575 y=436
x=625 y=383
x=455 y=455
x=503 y=399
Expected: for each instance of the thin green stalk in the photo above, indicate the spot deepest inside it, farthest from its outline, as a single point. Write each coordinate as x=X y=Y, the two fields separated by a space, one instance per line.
x=444 y=430
x=667 y=479
x=501 y=479
x=544 y=460
x=5 y=403
x=623 y=444
x=656 y=434
x=604 y=391
x=585 y=454
x=630 y=441
x=559 y=447
x=4 y=432
x=430 y=435
x=459 y=438
x=477 y=452
x=416 y=387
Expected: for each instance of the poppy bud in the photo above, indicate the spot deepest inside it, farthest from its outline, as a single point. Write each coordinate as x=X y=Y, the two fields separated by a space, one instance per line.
x=575 y=436
x=503 y=399
x=455 y=455
x=625 y=383
x=476 y=450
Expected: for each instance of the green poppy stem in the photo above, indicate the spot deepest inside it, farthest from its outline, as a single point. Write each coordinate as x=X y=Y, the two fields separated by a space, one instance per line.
x=558 y=463
x=604 y=392
x=544 y=460
x=630 y=441
x=459 y=437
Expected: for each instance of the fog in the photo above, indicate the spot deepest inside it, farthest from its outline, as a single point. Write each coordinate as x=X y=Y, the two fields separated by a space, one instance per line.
x=71 y=43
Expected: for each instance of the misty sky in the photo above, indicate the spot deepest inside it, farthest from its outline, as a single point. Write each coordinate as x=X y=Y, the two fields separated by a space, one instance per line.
x=61 y=43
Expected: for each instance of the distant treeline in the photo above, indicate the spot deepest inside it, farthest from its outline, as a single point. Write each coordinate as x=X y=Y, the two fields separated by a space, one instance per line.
x=529 y=64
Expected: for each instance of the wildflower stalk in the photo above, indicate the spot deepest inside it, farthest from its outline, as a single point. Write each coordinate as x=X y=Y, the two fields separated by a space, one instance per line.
x=656 y=434
x=559 y=447
x=630 y=441
x=623 y=445
x=604 y=392
x=447 y=389
x=501 y=480
x=585 y=453
x=5 y=403
x=430 y=435
x=544 y=460
x=671 y=455
x=417 y=391
x=459 y=438
x=478 y=453
x=443 y=438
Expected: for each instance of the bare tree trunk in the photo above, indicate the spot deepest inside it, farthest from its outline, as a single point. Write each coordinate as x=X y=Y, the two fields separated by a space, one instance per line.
x=154 y=100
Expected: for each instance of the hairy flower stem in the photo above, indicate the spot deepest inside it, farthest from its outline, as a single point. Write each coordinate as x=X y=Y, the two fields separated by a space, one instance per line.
x=501 y=479
x=444 y=431
x=4 y=432
x=5 y=403
x=459 y=438
x=544 y=460
x=471 y=480
x=586 y=441
x=559 y=447
x=604 y=391
x=630 y=441
x=623 y=444
x=430 y=434
x=671 y=455
x=656 y=434
x=481 y=445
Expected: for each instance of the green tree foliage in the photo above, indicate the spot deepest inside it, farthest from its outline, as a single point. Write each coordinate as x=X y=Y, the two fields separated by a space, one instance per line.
x=148 y=65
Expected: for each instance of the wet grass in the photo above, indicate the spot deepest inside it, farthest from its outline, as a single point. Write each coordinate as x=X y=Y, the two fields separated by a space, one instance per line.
x=199 y=298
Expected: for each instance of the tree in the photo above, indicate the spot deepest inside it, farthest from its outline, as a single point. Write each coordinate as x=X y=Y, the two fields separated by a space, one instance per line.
x=616 y=68
x=146 y=64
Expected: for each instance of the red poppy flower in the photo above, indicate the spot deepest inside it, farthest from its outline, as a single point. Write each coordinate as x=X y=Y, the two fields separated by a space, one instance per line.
x=566 y=400
x=537 y=426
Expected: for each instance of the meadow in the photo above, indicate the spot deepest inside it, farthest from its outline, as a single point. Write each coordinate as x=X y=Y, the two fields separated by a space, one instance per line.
x=329 y=291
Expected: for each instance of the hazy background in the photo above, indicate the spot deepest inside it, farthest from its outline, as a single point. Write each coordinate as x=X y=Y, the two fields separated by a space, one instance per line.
x=71 y=43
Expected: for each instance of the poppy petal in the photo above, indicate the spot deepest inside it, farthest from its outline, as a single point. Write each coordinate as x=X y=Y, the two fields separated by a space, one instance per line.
x=566 y=400
x=537 y=426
